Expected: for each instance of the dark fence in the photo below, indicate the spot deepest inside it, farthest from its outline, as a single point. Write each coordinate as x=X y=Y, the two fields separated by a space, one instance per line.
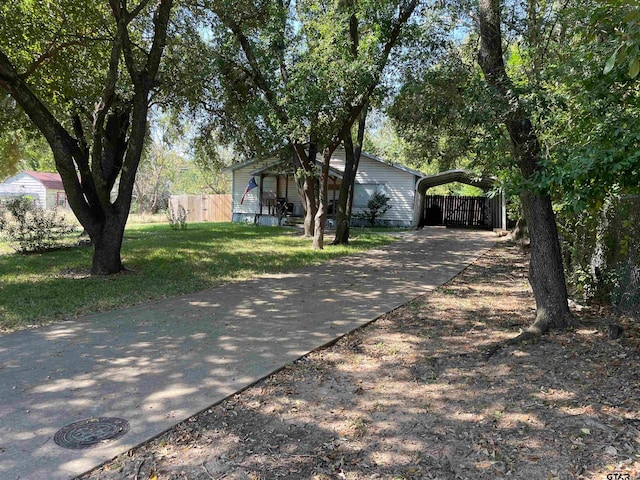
x=456 y=211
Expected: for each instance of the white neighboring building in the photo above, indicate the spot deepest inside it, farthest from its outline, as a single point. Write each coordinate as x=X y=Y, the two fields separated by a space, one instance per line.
x=276 y=186
x=44 y=187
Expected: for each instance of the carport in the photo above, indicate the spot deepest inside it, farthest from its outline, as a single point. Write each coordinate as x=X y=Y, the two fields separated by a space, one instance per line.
x=481 y=212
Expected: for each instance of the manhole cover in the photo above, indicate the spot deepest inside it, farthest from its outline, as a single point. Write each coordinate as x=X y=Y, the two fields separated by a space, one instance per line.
x=90 y=432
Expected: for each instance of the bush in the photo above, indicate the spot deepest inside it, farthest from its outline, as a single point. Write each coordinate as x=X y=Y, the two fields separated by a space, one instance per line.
x=377 y=206
x=177 y=217
x=30 y=228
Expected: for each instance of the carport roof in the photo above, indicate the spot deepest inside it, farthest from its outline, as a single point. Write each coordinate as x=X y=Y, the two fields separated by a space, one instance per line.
x=462 y=176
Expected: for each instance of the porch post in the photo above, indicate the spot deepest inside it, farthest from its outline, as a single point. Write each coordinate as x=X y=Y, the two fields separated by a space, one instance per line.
x=286 y=187
x=260 y=199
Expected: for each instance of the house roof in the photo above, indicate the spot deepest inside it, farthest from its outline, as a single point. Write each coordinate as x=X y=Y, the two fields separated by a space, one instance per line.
x=394 y=165
x=336 y=171
x=50 y=180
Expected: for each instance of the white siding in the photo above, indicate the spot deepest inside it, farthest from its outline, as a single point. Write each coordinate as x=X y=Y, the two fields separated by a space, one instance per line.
x=241 y=179
x=23 y=184
x=399 y=185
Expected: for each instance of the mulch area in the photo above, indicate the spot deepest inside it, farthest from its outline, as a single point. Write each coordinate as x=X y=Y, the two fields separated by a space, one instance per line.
x=414 y=395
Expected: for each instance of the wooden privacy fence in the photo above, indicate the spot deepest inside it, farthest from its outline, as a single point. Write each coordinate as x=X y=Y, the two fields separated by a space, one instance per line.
x=203 y=208
x=455 y=211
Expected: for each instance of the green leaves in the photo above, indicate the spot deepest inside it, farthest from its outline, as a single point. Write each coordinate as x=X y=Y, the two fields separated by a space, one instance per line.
x=610 y=63
x=634 y=67
x=277 y=71
x=60 y=47
x=620 y=19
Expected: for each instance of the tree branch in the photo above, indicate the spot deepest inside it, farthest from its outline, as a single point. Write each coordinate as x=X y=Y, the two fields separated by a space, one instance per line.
x=146 y=81
x=257 y=75
x=64 y=147
x=136 y=11
x=49 y=54
x=403 y=18
x=103 y=107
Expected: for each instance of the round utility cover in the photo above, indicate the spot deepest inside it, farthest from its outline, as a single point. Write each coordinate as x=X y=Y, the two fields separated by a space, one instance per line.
x=90 y=432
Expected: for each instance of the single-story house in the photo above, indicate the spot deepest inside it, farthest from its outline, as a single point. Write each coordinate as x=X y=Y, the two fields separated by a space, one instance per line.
x=44 y=187
x=273 y=186
x=263 y=189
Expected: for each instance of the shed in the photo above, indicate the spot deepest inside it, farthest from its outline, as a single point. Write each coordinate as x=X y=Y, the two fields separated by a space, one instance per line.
x=44 y=187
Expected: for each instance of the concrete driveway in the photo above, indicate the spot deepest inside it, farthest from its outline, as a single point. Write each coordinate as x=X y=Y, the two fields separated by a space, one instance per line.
x=156 y=364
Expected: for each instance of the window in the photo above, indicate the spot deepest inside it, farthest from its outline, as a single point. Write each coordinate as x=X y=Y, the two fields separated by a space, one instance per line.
x=362 y=193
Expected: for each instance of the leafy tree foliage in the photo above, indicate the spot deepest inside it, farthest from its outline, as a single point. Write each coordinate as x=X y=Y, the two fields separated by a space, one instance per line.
x=621 y=20
x=284 y=77
x=447 y=119
x=582 y=119
x=83 y=72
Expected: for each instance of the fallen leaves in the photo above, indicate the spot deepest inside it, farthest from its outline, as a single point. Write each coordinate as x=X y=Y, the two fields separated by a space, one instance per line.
x=412 y=396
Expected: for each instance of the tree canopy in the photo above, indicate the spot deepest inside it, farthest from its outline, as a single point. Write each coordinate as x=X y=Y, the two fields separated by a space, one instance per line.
x=94 y=123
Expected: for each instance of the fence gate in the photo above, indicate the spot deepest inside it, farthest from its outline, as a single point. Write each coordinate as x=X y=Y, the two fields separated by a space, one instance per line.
x=456 y=211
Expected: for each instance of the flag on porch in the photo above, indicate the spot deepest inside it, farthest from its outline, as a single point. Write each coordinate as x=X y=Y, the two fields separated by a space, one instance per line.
x=252 y=184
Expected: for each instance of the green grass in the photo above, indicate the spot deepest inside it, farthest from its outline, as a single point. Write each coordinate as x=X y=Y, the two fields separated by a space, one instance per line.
x=39 y=288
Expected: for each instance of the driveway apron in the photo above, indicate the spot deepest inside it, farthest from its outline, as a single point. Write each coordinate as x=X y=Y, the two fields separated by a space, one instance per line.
x=156 y=364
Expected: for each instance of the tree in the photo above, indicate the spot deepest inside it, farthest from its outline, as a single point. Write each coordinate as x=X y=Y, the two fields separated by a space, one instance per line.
x=583 y=121
x=95 y=152
x=285 y=76
x=546 y=273
x=384 y=37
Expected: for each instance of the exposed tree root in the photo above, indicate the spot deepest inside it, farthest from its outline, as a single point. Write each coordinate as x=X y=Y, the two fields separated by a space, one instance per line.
x=533 y=334
x=523 y=337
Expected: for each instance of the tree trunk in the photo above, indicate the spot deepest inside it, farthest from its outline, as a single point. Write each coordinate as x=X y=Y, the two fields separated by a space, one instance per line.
x=303 y=164
x=546 y=272
x=321 y=214
x=345 y=199
x=343 y=219
x=310 y=206
x=107 y=243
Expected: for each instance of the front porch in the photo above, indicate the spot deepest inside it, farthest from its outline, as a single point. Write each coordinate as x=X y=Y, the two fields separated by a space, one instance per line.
x=279 y=199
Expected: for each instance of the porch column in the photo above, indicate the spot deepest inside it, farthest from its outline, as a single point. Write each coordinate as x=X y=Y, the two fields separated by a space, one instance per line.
x=261 y=191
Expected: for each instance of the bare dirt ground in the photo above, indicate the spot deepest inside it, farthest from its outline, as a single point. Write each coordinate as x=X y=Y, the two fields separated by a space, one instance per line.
x=414 y=396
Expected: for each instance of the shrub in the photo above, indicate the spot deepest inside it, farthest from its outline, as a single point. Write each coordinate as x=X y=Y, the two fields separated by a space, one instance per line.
x=377 y=206
x=30 y=228
x=177 y=217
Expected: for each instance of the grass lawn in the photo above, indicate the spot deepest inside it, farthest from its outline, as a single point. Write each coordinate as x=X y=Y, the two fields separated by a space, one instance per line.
x=39 y=288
